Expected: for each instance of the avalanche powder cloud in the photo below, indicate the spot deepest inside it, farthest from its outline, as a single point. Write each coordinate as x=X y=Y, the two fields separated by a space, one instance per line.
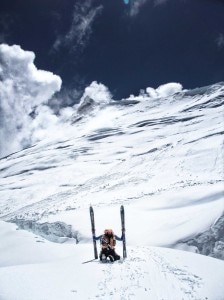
x=24 y=93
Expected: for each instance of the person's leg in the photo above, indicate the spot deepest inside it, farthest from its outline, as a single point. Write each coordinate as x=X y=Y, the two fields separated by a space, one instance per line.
x=115 y=255
x=103 y=254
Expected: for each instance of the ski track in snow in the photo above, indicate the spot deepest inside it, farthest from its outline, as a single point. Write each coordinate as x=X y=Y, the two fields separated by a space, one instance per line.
x=47 y=271
x=139 y=275
x=183 y=282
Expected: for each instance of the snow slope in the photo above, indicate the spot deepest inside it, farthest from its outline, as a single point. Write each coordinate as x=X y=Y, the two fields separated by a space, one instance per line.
x=161 y=157
x=33 y=268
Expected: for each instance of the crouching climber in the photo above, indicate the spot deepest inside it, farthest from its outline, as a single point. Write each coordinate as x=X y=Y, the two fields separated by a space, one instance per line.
x=108 y=243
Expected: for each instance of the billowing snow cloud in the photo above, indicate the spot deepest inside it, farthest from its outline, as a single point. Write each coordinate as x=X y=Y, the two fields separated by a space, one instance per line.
x=164 y=90
x=24 y=91
x=25 y=117
x=98 y=92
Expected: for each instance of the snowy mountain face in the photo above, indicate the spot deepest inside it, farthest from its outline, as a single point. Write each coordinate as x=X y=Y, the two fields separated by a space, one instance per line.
x=159 y=154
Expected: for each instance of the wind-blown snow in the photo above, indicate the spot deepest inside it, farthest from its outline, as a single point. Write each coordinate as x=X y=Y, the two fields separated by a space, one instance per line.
x=24 y=91
x=165 y=90
x=25 y=117
x=98 y=92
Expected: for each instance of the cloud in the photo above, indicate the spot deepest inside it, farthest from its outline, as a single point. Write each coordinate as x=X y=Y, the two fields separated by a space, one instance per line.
x=220 y=41
x=165 y=90
x=98 y=92
x=80 y=30
x=24 y=93
x=136 y=5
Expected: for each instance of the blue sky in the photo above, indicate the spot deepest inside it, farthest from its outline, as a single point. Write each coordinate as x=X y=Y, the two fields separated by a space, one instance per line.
x=126 y=47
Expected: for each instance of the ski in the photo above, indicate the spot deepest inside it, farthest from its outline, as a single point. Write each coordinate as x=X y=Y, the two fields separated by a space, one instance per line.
x=123 y=231
x=93 y=231
x=88 y=261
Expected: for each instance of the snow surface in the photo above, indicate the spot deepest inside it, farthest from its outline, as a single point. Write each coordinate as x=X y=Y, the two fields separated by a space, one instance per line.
x=162 y=158
x=34 y=268
x=159 y=154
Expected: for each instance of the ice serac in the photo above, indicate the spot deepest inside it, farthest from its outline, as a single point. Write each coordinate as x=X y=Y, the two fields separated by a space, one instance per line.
x=210 y=242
